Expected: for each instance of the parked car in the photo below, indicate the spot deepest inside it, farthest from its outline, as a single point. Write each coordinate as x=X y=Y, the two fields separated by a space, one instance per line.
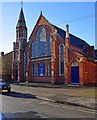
x=2 y=117
x=4 y=87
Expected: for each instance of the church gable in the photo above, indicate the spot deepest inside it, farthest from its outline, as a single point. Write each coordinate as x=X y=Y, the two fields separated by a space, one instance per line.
x=42 y=21
x=40 y=38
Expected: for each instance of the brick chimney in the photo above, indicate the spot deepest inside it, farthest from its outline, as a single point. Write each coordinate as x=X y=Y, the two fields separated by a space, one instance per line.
x=67 y=45
x=67 y=31
x=1 y=54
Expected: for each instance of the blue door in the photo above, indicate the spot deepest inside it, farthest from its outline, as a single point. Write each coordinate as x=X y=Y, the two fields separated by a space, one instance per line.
x=75 y=74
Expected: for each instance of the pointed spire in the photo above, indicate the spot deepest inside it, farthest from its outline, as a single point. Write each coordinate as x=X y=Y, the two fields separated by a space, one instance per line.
x=21 y=4
x=41 y=13
x=67 y=31
x=21 y=20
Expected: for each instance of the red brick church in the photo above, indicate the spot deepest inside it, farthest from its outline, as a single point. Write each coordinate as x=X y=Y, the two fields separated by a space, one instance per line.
x=52 y=55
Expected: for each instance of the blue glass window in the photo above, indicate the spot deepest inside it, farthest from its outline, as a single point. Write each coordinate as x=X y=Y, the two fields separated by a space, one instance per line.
x=41 y=69
x=16 y=55
x=41 y=46
x=41 y=34
x=62 y=68
x=62 y=50
x=26 y=57
x=34 y=49
x=33 y=70
x=61 y=60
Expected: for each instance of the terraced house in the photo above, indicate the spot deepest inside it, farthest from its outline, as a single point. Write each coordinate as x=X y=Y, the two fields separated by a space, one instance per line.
x=52 y=55
x=6 y=66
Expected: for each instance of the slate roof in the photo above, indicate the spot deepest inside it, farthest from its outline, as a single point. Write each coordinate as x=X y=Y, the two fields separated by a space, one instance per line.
x=75 y=41
x=21 y=20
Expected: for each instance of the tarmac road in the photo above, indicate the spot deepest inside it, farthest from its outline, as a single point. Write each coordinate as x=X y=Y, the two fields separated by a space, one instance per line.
x=20 y=104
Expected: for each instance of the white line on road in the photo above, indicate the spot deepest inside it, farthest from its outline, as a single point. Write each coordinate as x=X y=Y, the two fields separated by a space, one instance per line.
x=42 y=116
x=43 y=103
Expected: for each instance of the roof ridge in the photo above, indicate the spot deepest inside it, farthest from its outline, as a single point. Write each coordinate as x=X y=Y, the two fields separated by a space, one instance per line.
x=71 y=34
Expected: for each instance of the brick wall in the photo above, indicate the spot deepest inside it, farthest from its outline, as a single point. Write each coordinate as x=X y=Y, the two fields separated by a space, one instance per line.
x=6 y=70
x=41 y=79
x=87 y=67
x=90 y=72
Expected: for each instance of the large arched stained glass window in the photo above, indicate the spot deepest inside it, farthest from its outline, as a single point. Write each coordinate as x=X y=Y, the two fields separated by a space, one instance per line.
x=41 y=46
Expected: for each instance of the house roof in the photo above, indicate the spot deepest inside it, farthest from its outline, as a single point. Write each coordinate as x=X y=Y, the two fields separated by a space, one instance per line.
x=75 y=41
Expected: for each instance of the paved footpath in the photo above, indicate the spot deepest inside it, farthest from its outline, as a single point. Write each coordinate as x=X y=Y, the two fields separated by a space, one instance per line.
x=77 y=96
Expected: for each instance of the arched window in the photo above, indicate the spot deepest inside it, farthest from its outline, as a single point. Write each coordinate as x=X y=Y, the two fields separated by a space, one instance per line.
x=61 y=50
x=41 y=34
x=61 y=60
x=16 y=55
x=41 y=46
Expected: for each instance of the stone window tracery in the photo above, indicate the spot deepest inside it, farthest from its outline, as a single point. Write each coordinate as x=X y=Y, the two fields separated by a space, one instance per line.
x=41 y=46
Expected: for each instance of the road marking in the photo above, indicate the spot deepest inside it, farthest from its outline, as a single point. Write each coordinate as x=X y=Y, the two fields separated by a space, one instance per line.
x=43 y=103
x=42 y=116
x=25 y=102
